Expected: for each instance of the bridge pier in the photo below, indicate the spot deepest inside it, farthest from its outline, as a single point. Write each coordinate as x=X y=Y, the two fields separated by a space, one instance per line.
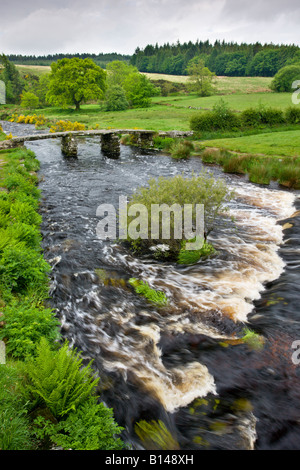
x=145 y=139
x=69 y=146
x=110 y=145
x=11 y=144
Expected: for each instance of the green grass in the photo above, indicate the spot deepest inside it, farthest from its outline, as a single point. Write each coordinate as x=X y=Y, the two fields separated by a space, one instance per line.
x=285 y=143
x=236 y=102
x=154 y=118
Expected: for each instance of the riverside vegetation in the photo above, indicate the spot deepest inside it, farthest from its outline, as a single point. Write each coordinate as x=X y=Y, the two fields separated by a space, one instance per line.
x=254 y=134
x=48 y=396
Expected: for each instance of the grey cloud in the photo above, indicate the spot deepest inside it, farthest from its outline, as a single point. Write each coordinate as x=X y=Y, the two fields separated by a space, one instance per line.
x=256 y=10
x=42 y=27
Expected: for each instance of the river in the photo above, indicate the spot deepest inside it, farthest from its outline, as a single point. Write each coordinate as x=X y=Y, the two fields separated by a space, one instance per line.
x=183 y=364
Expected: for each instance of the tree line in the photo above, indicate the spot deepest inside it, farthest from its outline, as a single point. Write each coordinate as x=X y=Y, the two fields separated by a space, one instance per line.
x=222 y=58
x=100 y=59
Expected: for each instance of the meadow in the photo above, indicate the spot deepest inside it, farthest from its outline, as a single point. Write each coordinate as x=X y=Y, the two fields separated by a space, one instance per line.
x=174 y=112
x=285 y=143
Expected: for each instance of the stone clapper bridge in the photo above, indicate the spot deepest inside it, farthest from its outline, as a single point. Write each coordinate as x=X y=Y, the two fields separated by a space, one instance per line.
x=109 y=139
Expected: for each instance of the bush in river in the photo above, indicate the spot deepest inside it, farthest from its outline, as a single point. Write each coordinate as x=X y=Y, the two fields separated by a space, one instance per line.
x=202 y=189
x=181 y=149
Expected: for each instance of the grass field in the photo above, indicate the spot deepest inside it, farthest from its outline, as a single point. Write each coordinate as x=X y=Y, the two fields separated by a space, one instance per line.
x=237 y=102
x=275 y=143
x=154 y=118
x=34 y=69
x=174 y=112
x=165 y=113
x=224 y=85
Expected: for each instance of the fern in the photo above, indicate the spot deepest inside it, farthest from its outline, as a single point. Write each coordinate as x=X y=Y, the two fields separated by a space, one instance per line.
x=90 y=427
x=24 y=323
x=58 y=380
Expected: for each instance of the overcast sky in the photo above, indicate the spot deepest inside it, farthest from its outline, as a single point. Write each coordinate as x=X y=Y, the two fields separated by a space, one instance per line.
x=39 y=27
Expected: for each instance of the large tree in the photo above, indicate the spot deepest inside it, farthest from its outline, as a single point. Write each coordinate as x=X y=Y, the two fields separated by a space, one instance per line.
x=75 y=81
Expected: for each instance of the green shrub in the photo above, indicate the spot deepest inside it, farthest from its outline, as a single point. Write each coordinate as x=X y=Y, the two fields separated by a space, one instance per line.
x=12 y=211
x=289 y=174
x=272 y=116
x=25 y=213
x=256 y=117
x=238 y=164
x=225 y=118
x=293 y=115
x=29 y=100
x=203 y=121
x=15 y=196
x=25 y=323
x=182 y=149
x=115 y=99
x=143 y=288
x=57 y=380
x=284 y=78
x=163 y=143
x=16 y=181
x=20 y=232
x=14 y=429
x=90 y=427
x=22 y=269
x=220 y=118
x=202 y=189
x=251 y=117
x=260 y=173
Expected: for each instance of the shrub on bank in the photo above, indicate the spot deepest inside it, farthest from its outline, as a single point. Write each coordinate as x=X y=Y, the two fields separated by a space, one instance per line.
x=260 y=169
x=221 y=118
x=293 y=114
x=253 y=117
x=181 y=149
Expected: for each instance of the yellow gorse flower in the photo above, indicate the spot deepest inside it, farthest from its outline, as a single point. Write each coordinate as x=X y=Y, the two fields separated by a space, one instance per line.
x=29 y=119
x=63 y=126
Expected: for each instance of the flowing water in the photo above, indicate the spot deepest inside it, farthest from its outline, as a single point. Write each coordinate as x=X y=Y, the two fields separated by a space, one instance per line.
x=183 y=364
